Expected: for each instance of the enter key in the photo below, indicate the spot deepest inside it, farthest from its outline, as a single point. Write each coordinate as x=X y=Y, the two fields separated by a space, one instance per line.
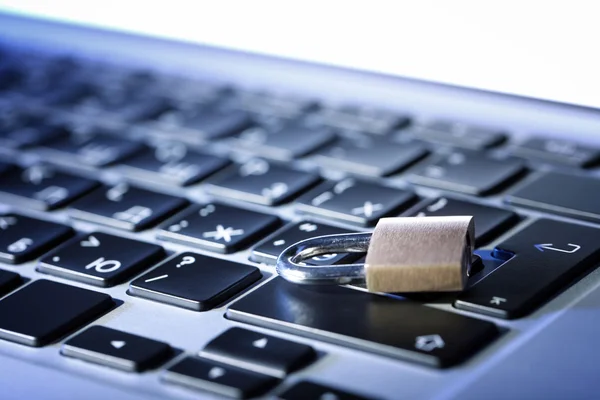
x=541 y=260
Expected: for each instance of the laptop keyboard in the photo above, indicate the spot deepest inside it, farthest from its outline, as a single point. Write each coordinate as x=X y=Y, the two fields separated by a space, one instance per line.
x=223 y=171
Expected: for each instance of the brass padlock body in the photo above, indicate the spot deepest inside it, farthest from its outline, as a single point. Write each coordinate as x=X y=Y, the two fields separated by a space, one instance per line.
x=418 y=254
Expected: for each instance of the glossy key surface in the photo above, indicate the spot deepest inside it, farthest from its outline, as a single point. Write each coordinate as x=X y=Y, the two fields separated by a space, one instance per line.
x=42 y=187
x=557 y=151
x=575 y=196
x=543 y=260
x=353 y=201
x=101 y=259
x=254 y=350
x=468 y=172
x=218 y=227
x=268 y=250
x=117 y=349
x=24 y=238
x=194 y=281
x=221 y=379
x=126 y=207
x=489 y=221
x=387 y=326
x=53 y=310
x=370 y=155
x=311 y=390
x=261 y=182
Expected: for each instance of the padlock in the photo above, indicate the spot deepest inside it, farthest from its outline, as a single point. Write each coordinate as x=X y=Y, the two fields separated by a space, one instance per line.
x=403 y=255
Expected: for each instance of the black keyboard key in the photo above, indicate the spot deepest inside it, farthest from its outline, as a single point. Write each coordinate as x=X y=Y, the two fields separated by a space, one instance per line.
x=370 y=156
x=19 y=128
x=263 y=353
x=387 y=326
x=117 y=349
x=543 y=259
x=44 y=311
x=362 y=119
x=96 y=151
x=272 y=104
x=558 y=151
x=211 y=123
x=310 y=390
x=100 y=259
x=489 y=221
x=172 y=163
x=460 y=134
x=569 y=195
x=221 y=379
x=284 y=143
x=42 y=187
x=258 y=181
x=269 y=249
x=218 y=227
x=9 y=281
x=471 y=173
x=356 y=202
x=194 y=281
x=126 y=207
x=23 y=238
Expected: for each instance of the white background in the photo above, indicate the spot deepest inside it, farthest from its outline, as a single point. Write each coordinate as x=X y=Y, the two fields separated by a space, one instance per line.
x=545 y=49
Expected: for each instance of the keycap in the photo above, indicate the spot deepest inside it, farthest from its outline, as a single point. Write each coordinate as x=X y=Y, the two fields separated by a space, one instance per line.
x=558 y=151
x=218 y=227
x=362 y=119
x=98 y=150
x=172 y=163
x=117 y=349
x=20 y=128
x=9 y=281
x=543 y=259
x=558 y=193
x=211 y=123
x=264 y=353
x=284 y=143
x=258 y=181
x=469 y=172
x=100 y=259
x=268 y=250
x=32 y=134
x=460 y=134
x=370 y=156
x=23 y=238
x=391 y=327
x=489 y=221
x=53 y=310
x=195 y=282
x=42 y=187
x=280 y=105
x=221 y=379
x=126 y=207
x=354 y=201
x=311 y=390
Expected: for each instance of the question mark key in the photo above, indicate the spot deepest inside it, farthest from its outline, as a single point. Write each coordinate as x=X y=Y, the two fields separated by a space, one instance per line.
x=194 y=281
